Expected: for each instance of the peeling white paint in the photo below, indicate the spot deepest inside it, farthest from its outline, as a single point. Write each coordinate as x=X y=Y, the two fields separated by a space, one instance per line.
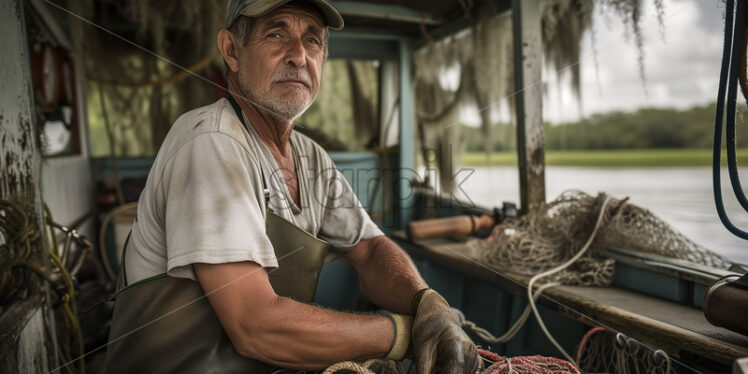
x=32 y=354
x=20 y=162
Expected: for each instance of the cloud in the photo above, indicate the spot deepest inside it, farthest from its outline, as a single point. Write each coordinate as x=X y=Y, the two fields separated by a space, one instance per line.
x=681 y=66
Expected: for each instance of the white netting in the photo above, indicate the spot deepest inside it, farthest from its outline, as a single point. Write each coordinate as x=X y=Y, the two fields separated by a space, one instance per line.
x=546 y=237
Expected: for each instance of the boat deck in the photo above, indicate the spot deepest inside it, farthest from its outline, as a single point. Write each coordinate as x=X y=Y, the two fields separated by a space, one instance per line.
x=679 y=330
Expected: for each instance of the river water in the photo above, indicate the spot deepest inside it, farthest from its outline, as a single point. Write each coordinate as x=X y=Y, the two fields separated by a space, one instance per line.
x=682 y=196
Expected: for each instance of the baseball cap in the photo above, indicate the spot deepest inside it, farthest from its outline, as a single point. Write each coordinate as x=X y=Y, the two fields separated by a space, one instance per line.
x=256 y=8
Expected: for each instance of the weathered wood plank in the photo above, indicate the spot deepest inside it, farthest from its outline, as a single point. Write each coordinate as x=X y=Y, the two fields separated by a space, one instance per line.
x=528 y=85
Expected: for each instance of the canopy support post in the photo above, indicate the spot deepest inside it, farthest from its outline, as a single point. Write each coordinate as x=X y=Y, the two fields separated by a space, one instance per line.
x=528 y=60
x=407 y=160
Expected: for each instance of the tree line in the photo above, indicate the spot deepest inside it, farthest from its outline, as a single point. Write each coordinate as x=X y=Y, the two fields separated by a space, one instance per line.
x=647 y=128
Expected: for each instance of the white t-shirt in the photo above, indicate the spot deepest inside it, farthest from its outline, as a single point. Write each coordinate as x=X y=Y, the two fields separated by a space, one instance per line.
x=204 y=201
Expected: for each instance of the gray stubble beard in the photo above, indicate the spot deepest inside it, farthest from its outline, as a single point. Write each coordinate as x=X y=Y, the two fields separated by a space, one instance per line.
x=287 y=112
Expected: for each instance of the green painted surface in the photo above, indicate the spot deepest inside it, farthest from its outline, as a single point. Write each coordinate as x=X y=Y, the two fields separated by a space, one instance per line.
x=567 y=333
x=699 y=291
x=128 y=167
x=407 y=161
x=363 y=171
x=651 y=283
x=515 y=346
x=488 y=308
x=448 y=283
x=337 y=287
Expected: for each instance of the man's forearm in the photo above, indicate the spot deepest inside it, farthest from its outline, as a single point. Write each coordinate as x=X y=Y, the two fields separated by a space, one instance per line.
x=300 y=336
x=284 y=332
x=312 y=337
x=388 y=276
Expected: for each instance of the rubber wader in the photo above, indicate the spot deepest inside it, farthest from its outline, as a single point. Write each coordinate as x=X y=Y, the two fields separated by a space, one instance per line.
x=167 y=325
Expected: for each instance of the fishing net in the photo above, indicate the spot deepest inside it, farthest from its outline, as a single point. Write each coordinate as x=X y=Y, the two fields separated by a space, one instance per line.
x=551 y=235
x=602 y=351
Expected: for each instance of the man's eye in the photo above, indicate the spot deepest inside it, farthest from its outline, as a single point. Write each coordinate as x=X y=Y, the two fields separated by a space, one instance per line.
x=314 y=40
x=274 y=35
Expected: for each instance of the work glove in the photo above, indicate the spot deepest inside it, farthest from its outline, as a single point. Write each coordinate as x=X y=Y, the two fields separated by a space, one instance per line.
x=403 y=325
x=439 y=343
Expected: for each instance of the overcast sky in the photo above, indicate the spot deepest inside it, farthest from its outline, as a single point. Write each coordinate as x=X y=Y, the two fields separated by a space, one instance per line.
x=681 y=60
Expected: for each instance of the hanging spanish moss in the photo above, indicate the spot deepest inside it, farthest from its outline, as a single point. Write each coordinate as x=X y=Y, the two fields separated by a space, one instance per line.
x=142 y=93
x=484 y=57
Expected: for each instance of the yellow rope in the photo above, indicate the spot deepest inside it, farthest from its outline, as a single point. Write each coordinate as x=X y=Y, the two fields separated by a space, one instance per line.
x=161 y=81
x=64 y=358
x=19 y=233
x=72 y=323
x=53 y=243
x=68 y=300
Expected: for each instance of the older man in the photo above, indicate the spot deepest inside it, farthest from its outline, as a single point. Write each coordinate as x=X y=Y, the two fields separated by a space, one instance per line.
x=240 y=208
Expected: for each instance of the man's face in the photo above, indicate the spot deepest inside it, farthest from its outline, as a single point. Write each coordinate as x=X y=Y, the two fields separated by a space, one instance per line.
x=281 y=65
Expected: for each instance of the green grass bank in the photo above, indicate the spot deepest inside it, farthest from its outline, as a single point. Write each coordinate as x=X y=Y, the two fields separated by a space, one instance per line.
x=610 y=158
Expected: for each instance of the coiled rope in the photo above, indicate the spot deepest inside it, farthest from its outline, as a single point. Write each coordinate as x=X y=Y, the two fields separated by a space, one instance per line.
x=525 y=364
x=367 y=367
x=20 y=231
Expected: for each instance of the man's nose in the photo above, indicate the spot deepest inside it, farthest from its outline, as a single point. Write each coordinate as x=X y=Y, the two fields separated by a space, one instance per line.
x=296 y=53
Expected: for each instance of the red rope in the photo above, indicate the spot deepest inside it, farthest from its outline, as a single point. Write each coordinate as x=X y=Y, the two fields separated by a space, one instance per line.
x=490 y=355
x=527 y=364
x=585 y=339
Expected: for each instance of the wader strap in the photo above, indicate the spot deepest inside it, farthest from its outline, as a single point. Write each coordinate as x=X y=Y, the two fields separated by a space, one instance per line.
x=239 y=114
x=122 y=279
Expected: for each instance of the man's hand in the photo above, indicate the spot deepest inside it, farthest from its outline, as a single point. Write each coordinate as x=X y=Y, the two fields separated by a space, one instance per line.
x=439 y=343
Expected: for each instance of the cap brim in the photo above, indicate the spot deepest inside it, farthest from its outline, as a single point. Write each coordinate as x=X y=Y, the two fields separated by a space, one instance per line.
x=332 y=16
x=333 y=19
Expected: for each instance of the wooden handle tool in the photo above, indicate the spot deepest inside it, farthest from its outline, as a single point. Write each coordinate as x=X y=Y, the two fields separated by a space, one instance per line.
x=451 y=226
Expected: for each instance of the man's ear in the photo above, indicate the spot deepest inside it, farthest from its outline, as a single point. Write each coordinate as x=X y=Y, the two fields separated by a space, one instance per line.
x=227 y=47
